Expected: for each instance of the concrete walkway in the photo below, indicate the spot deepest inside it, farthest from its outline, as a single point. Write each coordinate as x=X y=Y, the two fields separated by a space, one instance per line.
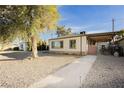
x=69 y=76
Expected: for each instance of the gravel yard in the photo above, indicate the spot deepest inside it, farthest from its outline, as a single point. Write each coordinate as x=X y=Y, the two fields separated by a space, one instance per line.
x=106 y=72
x=17 y=71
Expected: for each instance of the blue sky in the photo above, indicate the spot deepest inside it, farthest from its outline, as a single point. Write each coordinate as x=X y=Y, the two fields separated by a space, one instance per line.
x=92 y=19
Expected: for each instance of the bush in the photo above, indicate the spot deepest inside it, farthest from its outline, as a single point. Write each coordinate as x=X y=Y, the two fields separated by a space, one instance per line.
x=43 y=47
x=16 y=48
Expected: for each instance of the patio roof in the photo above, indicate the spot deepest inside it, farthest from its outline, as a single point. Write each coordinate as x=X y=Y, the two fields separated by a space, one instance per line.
x=101 y=37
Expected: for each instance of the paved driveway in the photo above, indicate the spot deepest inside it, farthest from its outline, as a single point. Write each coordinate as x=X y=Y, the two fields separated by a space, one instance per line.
x=107 y=71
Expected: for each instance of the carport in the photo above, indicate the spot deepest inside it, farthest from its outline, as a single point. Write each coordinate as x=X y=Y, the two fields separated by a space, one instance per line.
x=94 y=39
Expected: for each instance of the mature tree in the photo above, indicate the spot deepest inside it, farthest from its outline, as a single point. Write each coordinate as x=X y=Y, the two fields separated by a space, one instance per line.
x=26 y=22
x=68 y=31
x=62 y=31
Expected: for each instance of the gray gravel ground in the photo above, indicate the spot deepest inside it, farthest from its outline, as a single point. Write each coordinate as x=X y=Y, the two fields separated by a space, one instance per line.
x=17 y=71
x=106 y=72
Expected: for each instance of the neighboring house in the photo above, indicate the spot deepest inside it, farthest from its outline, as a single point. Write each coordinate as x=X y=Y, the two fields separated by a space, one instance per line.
x=81 y=44
x=10 y=46
x=23 y=46
x=121 y=43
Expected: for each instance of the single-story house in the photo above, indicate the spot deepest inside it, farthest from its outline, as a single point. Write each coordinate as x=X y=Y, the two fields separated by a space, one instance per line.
x=81 y=44
x=121 y=43
x=21 y=45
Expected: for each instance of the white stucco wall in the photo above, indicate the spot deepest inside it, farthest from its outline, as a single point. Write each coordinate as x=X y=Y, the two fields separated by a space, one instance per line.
x=66 y=44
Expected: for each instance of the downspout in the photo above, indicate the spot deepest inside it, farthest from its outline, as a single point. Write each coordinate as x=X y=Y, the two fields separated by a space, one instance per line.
x=81 y=45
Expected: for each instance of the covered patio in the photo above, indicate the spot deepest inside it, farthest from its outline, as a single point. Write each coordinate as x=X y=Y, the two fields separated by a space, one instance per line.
x=101 y=37
x=95 y=39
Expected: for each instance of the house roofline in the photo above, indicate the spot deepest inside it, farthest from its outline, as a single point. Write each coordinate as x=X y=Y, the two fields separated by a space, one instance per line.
x=67 y=36
x=88 y=35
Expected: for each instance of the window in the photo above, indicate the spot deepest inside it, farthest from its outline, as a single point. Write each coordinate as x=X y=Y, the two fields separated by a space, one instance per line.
x=57 y=44
x=73 y=44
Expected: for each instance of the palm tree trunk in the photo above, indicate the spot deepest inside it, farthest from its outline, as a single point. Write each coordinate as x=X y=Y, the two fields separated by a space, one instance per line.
x=34 y=46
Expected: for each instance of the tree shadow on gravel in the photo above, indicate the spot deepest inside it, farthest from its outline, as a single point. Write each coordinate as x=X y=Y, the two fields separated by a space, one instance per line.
x=15 y=56
x=21 y=55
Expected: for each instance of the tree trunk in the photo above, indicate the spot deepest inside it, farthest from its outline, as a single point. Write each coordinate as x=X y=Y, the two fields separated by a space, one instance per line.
x=34 y=46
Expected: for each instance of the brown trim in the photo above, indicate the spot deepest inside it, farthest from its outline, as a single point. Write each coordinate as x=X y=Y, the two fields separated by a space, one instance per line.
x=102 y=34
